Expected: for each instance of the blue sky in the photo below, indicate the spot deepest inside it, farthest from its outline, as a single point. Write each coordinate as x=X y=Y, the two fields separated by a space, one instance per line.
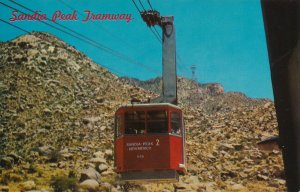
x=224 y=39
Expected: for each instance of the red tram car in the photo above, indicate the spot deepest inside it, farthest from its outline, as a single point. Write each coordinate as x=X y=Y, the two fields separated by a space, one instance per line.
x=150 y=138
x=149 y=142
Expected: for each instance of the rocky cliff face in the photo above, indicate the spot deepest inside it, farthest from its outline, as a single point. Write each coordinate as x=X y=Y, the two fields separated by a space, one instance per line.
x=56 y=126
x=187 y=89
x=209 y=97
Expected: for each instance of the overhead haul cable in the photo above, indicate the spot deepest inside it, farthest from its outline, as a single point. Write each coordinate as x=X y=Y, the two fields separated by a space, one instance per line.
x=84 y=39
x=155 y=33
x=159 y=37
x=150 y=5
x=179 y=61
x=142 y=5
x=26 y=31
x=101 y=27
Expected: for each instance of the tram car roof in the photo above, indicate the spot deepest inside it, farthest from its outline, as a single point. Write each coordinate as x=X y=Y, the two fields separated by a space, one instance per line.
x=149 y=105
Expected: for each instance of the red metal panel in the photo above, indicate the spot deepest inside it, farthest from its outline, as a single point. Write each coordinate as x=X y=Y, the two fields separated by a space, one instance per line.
x=146 y=152
x=119 y=146
x=176 y=152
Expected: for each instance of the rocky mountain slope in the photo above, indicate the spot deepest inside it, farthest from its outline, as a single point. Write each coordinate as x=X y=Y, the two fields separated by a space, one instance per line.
x=56 y=126
x=187 y=89
x=210 y=97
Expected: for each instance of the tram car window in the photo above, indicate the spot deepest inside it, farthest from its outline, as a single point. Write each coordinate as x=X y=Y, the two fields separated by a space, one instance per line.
x=176 y=123
x=135 y=122
x=157 y=122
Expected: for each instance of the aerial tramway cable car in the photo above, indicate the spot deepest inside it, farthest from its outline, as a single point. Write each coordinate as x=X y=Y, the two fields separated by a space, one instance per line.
x=150 y=137
x=150 y=142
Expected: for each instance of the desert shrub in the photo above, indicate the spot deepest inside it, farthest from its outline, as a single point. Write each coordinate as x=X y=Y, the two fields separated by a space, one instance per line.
x=64 y=183
x=5 y=179
x=32 y=168
x=10 y=177
x=55 y=156
x=72 y=174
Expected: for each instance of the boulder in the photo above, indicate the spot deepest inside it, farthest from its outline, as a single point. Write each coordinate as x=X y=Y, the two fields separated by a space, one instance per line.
x=45 y=150
x=27 y=185
x=99 y=154
x=4 y=188
x=237 y=187
x=98 y=160
x=108 y=153
x=89 y=185
x=90 y=173
x=17 y=158
x=102 y=167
